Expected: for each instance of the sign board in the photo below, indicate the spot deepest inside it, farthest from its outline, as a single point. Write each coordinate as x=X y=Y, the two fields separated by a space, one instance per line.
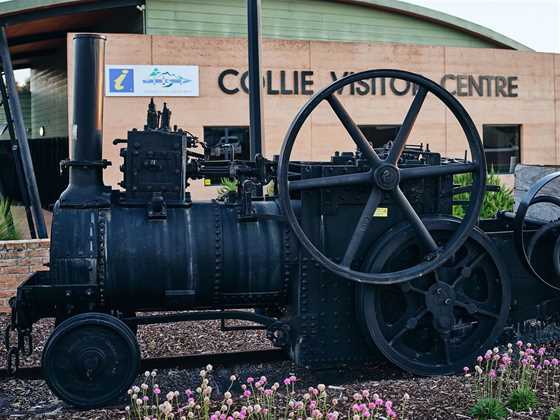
x=151 y=80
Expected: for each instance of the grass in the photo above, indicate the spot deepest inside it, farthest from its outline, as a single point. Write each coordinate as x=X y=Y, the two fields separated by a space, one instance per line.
x=8 y=230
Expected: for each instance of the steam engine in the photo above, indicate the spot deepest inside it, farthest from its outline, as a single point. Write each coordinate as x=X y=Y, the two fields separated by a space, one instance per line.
x=326 y=292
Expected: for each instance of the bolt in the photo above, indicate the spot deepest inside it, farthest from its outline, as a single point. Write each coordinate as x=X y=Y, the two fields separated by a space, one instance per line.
x=447 y=301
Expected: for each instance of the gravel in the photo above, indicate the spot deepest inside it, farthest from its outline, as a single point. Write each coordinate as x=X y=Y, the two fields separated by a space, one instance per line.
x=430 y=398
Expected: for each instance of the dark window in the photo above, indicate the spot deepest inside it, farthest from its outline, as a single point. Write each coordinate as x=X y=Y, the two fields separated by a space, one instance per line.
x=380 y=135
x=502 y=147
x=225 y=143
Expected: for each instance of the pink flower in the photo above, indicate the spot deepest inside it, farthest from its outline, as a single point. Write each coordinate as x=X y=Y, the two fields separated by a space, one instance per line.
x=519 y=344
x=292 y=378
x=554 y=362
x=466 y=369
x=479 y=359
x=547 y=362
x=250 y=380
x=157 y=391
x=246 y=393
x=492 y=373
x=542 y=351
x=287 y=381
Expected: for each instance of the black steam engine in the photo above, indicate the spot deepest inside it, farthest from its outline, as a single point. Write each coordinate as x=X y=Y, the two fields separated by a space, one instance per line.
x=339 y=260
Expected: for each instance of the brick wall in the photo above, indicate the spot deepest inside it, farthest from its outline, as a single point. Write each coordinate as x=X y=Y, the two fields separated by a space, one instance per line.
x=18 y=259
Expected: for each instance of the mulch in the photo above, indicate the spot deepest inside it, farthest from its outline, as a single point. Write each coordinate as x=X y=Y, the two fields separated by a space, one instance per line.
x=441 y=397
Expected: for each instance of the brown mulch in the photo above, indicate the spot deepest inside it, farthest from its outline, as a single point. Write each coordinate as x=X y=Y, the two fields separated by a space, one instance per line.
x=430 y=398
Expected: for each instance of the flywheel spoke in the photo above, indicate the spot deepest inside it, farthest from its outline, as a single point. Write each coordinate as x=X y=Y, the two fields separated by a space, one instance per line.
x=473 y=307
x=331 y=181
x=405 y=324
x=354 y=131
x=430 y=171
x=424 y=235
x=467 y=269
x=406 y=127
x=361 y=228
x=446 y=348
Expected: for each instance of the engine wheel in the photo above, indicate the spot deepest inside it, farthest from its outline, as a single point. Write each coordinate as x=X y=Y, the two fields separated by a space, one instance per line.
x=90 y=360
x=541 y=269
x=438 y=323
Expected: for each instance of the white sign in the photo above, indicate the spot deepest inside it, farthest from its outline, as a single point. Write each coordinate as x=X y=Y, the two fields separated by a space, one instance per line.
x=151 y=80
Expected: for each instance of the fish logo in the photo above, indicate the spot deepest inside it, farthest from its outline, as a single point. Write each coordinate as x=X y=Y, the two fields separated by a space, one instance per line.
x=121 y=80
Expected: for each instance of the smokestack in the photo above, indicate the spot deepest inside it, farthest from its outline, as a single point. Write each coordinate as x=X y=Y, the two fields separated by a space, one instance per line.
x=255 y=77
x=86 y=166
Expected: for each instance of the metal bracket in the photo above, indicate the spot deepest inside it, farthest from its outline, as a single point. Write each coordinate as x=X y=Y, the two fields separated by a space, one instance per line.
x=157 y=209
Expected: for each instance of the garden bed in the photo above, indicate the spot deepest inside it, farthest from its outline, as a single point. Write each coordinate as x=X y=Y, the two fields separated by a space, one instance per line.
x=430 y=398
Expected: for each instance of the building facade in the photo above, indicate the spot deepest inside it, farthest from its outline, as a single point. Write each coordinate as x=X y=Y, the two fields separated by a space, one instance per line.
x=512 y=93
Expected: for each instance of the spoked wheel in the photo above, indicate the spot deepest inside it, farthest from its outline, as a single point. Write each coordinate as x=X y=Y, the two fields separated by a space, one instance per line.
x=435 y=324
x=384 y=178
x=541 y=267
x=90 y=360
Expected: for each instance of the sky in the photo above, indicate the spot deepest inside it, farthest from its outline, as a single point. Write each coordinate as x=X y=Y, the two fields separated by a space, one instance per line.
x=534 y=23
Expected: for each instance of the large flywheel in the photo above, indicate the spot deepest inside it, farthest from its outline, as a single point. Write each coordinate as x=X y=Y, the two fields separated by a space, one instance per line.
x=438 y=323
x=384 y=179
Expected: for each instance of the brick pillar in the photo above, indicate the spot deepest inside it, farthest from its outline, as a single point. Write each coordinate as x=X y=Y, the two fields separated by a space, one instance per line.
x=18 y=260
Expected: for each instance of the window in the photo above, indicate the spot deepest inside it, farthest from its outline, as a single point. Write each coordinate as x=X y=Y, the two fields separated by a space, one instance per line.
x=379 y=135
x=502 y=147
x=225 y=143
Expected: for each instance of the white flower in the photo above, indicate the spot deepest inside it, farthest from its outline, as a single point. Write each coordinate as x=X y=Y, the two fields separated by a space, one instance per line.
x=478 y=369
x=198 y=390
x=406 y=397
x=135 y=389
x=232 y=378
x=170 y=396
x=227 y=395
x=224 y=407
x=190 y=415
x=206 y=399
x=129 y=392
x=138 y=401
x=321 y=387
x=257 y=408
x=229 y=401
x=144 y=386
x=147 y=373
x=496 y=350
x=306 y=396
x=127 y=408
x=209 y=368
x=154 y=373
x=202 y=373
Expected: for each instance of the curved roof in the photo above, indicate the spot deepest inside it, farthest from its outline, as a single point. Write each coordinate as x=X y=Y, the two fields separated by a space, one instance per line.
x=12 y=8
x=441 y=18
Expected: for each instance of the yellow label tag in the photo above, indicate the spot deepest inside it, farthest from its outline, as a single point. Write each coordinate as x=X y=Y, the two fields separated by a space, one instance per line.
x=381 y=212
x=207 y=182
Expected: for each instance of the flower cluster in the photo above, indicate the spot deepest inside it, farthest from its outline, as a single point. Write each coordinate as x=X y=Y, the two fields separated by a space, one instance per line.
x=514 y=375
x=257 y=399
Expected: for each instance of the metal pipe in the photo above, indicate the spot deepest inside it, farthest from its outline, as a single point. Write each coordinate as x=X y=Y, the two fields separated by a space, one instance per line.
x=256 y=135
x=86 y=165
x=21 y=135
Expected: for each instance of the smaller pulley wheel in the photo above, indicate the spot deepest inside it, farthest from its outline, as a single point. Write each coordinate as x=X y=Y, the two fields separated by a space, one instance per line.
x=438 y=323
x=90 y=360
x=526 y=253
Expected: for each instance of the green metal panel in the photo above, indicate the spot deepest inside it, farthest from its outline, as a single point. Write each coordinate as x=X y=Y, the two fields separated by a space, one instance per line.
x=303 y=19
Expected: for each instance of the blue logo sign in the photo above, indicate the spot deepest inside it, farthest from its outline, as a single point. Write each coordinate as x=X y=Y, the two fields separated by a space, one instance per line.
x=121 y=80
x=165 y=79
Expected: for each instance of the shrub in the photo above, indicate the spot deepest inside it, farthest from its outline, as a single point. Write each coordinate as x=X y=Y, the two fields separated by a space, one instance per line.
x=488 y=409
x=554 y=415
x=493 y=201
x=7 y=227
x=522 y=399
x=227 y=186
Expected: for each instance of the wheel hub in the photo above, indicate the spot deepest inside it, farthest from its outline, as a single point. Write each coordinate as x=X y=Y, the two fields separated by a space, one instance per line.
x=440 y=300
x=387 y=177
x=92 y=360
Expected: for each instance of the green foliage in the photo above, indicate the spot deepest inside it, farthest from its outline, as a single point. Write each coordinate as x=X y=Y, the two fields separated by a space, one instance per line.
x=522 y=399
x=554 y=415
x=7 y=228
x=493 y=201
x=488 y=409
x=227 y=186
